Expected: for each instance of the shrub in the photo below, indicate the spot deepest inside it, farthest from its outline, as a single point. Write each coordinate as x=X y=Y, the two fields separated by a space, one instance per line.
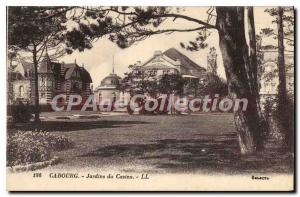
x=285 y=119
x=21 y=113
x=281 y=121
x=25 y=147
x=58 y=143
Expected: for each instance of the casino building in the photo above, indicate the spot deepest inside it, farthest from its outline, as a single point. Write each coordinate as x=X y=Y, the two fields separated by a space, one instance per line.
x=170 y=61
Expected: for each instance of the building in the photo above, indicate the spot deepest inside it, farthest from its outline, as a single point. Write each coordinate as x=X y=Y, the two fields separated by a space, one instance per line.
x=169 y=62
x=108 y=89
x=54 y=78
x=269 y=77
x=19 y=88
x=172 y=62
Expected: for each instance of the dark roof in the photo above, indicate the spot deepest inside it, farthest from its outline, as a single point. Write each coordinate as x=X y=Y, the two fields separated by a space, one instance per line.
x=27 y=65
x=186 y=62
x=71 y=67
x=86 y=77
x=47 y=66
x=43 y=67
x=111 y=80
x=15 y=75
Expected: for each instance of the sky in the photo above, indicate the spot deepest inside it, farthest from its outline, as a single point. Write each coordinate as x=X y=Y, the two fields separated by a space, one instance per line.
x=99 y=60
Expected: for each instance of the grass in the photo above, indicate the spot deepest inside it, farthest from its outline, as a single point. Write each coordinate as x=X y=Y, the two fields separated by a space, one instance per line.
x=205 y=143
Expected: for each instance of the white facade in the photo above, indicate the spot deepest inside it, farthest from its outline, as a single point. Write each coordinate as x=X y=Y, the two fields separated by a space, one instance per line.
x=269 y=79
x=21 y=90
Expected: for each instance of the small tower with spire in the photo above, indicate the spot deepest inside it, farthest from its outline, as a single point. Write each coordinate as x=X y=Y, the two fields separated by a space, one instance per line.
x=108 y=87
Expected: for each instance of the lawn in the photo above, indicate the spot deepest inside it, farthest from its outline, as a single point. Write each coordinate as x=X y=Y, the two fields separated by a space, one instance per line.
x=199 y=143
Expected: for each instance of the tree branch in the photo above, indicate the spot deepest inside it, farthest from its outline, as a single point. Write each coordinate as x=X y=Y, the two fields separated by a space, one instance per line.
x=154 y=16
x=54 y=15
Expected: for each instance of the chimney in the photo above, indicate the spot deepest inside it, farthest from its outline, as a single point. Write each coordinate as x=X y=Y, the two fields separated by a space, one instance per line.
x=157 y=53
x=138 y=63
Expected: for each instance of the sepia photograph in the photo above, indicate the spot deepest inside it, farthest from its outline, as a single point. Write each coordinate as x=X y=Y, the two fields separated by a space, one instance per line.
x=150 y=98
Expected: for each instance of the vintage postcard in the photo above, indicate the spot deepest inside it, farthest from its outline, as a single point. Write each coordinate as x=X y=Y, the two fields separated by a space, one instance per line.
x=109 y=98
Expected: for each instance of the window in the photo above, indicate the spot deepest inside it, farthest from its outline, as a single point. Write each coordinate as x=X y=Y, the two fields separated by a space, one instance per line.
x=265 y=86
x=114 y=97
x=152 y=72
x=273 y=87
x=21 y=91
x=100 y=97
x=28 y=73
x=165 y=72
x=75 y=86
x=268 y=87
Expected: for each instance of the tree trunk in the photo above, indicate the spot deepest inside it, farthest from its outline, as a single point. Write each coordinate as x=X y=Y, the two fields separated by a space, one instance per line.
x=281 y=63
x=234 y=49
x=283 y=102
x=36 y=86
x=253 y=53
x=253 y=67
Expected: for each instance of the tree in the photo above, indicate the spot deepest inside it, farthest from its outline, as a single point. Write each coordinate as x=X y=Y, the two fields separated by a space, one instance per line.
x=284 y=35
x=35 y=31
x=282 y=91
x=212 y=61
x=137 y=81
x=288 y=27
x=127 y=25
x=172 y=84
x=234 y=49
x=281 y=63
x=253 y=51
x=214 y=85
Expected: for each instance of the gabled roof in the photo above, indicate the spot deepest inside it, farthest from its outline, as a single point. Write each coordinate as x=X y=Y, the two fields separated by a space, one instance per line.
x=186 y=62
x=15 y=75
x=47 y=66
x=27 y=65
x=86 y=77
x=162 y=56
x=71 y=67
